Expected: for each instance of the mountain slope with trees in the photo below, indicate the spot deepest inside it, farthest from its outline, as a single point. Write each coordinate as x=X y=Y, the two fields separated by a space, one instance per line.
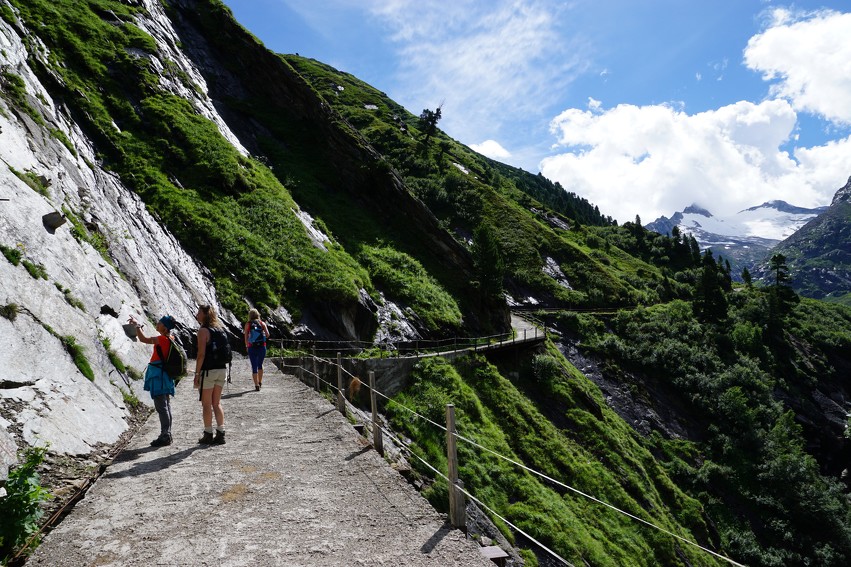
x=819 y=254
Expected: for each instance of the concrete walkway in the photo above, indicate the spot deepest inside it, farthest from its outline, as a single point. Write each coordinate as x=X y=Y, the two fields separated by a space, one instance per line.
x=294 y=485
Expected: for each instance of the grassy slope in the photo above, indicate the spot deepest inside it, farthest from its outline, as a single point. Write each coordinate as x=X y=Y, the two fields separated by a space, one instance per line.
x=223 y=207
x=491 y=193
x=592 y=450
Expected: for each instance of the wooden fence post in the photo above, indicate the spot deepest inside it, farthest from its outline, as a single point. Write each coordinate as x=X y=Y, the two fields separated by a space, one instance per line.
x=377 y=438
x=315 y=372
x=341 y=399
x=457 y=508
x=301 y=369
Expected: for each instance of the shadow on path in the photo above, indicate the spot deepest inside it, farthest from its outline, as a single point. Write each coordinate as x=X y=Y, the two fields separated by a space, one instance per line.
x=157 y=464
x=435 y=539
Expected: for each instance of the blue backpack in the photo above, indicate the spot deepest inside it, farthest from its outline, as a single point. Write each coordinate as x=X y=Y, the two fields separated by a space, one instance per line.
x=256 y=336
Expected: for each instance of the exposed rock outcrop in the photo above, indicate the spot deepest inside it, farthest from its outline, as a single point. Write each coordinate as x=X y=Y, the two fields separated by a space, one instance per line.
x=76 y=283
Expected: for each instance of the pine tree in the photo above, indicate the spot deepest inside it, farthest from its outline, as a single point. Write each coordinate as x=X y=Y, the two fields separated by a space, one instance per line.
x=487 y=257
x=710 y=303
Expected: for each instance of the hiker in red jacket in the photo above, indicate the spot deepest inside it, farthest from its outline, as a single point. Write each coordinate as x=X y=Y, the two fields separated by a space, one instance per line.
x=157 y=380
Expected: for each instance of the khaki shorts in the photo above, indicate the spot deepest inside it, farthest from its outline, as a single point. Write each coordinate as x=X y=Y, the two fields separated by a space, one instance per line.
x=213 y=377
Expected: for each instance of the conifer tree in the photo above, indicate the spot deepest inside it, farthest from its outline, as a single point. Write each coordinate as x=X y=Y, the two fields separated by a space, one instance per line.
x=710 y=303
x=488 y=260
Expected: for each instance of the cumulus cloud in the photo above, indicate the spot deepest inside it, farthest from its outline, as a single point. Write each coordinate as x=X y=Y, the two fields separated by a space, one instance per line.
x=809 y=57
x=491 y=149
x=655 y=160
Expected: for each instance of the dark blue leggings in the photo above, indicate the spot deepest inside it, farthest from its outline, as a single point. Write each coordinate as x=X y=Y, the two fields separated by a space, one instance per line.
x=256 y=354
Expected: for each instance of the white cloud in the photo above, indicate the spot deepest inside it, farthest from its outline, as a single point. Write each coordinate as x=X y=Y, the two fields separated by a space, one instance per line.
x=809 y=55
x=491 y=149
x=488 y=61
x=655 y=160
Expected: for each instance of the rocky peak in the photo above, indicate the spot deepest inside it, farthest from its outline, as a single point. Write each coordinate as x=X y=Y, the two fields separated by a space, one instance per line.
x=695 y=209
x=843 y=195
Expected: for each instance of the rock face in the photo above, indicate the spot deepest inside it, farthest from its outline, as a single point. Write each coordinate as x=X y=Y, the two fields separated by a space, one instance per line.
x=819 y=254
x=57 y=290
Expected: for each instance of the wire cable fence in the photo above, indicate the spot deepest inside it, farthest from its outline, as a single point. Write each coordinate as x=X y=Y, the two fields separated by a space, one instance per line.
x=405 y=447
x=402 y=348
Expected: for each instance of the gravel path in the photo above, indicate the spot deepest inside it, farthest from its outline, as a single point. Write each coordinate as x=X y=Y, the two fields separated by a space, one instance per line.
x=294 y=485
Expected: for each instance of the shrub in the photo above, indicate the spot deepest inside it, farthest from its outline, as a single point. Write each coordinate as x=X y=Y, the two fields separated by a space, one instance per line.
x=19 y=509
x=9 y=311
x=72 y=301
x=11 y=254
x=37 y=271
x=129 y=398
x=36 y=182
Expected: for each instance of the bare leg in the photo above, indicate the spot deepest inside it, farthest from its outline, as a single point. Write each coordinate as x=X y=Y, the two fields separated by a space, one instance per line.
x=217 y=406
x=260 y=376
x=207 y=406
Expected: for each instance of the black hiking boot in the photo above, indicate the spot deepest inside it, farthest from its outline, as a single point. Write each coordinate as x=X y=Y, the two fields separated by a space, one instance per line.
x=220 y=438
x=206 y=439
x=161 y=441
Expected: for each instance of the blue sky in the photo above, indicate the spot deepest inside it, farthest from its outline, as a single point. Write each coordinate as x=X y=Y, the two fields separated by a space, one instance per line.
x=642 y=107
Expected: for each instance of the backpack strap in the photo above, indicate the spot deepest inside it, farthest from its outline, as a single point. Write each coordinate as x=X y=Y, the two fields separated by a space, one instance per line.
x=162 y=357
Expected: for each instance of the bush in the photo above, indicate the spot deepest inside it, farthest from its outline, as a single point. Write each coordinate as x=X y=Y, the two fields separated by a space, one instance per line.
x=9 y=311
x=37 y=271
x=11 y=254
x=19 y=509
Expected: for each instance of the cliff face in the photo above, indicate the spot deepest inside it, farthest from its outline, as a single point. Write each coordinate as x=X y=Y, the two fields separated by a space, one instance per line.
x=819 y=253
x=109 y=259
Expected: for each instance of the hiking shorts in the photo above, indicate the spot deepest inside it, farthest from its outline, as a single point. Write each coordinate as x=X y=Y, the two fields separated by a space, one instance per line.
x=213 y=377
x=256 y=354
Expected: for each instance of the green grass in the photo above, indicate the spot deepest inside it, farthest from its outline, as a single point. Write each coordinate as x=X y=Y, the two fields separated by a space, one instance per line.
x=113 y=356
x=229 y=211
x=35 y=181
x=78 y=355
x=36 y=270
x=405 y=280
x=14 y=91
x=82 y=234
x=69 y=298
x=10 y=311
x=130 y=399
x=612 y=465
x=13 y=255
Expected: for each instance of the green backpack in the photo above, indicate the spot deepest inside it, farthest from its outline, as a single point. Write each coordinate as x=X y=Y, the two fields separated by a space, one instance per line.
x=174 y=362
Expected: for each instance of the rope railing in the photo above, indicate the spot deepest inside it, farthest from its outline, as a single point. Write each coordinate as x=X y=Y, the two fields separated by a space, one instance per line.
x=459 y=486
x=397 y=348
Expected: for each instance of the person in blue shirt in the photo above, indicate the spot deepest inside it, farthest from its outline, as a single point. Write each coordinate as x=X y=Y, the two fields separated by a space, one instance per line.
x=256 y=332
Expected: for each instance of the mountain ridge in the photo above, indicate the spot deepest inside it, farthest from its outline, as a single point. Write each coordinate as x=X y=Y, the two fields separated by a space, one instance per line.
x=745 y=238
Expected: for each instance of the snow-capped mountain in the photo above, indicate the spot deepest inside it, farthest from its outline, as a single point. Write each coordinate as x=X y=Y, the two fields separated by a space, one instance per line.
x=743 y=238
